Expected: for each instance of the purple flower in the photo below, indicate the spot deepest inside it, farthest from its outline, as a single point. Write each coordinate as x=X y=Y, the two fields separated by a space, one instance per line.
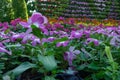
x=44 y=30
x=0 y=24
x=35 y=42
x=5 y=26
x=51 y=39
x=1 y=45
x=36 y=19
x=54 y=32
x=26 y=38
x=71 y=55
x=95 y=41
x=63 y=43
x=115 y=41
x=21 y=35
x=17 y=36
x=58 y=25
x=81 y=26
x=44 y=40
x=76 y=34
x=87 y=33
x=101 y=31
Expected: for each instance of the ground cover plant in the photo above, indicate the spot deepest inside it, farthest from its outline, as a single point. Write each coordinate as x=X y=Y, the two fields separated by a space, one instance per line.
x=38 y=50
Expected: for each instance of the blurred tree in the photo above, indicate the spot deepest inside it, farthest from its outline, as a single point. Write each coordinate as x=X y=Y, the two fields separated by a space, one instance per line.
x=6 y=11
x=20 y=9
x=31 y=6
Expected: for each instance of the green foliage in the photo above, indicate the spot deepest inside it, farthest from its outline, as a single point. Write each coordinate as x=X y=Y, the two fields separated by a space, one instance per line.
x=113 y=69
x=36 y=31
x=6 y=10
x=20 y=69
x=1 y=68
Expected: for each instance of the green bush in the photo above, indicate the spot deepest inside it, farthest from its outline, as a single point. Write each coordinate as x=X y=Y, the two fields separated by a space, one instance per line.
x=20 y=9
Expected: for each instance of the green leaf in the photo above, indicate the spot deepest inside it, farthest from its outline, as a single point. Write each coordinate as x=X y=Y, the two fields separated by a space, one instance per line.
x=21 y=68
x=36 y=31
x=108 y=53
x=100 y=74
x=49 y=78
x=48 y=62
x=94 y=66
x=7 y=31
x=16 y=45
x=6 y=77
x=81 y=67
x=60 y=40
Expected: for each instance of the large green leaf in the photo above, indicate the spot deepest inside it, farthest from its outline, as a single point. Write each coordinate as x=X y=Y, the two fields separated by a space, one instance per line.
x=36 y=31
x=21 y=68
x=93 y=66
x=48 y=62
x=108 y=53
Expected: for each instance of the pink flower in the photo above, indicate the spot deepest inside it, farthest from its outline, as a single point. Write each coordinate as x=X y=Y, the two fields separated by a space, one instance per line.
x=15 y=22
x=5 y=26
x=61 y=18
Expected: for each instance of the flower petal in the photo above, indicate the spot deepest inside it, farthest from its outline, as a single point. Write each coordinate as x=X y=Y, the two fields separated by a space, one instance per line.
x=24 y=24
x=5 y=51
x=71 y=48
x=76 y=52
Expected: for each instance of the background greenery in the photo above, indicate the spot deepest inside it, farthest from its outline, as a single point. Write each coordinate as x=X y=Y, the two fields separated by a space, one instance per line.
x=6 y=10
x=20 y=9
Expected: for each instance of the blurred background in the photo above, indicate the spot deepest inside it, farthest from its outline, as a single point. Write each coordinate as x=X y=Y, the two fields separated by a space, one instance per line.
x=93 y=9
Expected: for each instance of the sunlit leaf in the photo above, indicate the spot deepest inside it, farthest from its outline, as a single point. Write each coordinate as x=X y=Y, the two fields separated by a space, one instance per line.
x=48 y=62
x=21 y=68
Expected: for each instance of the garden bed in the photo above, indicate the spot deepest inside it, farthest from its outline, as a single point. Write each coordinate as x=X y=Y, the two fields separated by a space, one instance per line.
x=41 y=50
